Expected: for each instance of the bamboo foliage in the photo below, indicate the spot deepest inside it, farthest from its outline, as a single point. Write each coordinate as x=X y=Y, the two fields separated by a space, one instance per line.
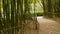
x=1 y=27
x=10 y=15
x=51 y=8
x=14 y=14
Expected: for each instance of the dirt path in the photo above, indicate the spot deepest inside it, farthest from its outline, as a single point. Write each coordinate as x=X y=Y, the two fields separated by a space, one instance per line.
x=47 y=26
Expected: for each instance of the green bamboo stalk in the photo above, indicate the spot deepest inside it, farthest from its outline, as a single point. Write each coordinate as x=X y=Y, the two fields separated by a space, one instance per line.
x=1 y=26
x=20 y=10
x=44 y=7
x=16 y=18
x=12 y=15
x=8 y=16
x=5 y=15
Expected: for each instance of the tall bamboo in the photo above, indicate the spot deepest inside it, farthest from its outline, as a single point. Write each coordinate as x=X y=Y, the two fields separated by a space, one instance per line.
x=1 y=26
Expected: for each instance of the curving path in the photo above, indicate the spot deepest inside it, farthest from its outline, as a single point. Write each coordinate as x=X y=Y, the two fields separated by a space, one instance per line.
x=47 y=26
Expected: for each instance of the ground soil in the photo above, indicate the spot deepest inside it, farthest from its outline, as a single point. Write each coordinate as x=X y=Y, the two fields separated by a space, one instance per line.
x=48 y=26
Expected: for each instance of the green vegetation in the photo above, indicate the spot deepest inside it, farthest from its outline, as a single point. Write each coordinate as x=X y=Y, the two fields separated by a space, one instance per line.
x=13 y=15
x=51 y=9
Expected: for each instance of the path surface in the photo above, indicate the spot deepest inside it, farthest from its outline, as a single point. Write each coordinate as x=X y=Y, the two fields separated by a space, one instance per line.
x=47 y=26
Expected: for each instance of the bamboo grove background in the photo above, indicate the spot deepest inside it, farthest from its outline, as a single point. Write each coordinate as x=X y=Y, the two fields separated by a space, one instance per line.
x=51 y=9
x=15 y=17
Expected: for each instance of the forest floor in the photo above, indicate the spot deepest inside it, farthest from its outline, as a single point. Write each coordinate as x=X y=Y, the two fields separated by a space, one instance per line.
x=48 y=26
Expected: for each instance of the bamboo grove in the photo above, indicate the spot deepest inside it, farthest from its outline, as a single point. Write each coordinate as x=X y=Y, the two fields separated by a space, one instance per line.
x=13 y=16
x=51 y=8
